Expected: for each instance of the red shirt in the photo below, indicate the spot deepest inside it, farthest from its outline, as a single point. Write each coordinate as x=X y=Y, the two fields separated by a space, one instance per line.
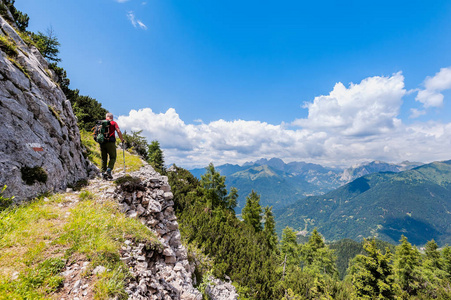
x=112 y=129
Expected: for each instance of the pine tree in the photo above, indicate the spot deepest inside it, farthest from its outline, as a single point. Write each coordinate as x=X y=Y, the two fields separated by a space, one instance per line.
x=19 y=18
x=47 y=44
x=214 y=188
x=432 y=270
x=372 y=274
x=433 y=255
x=446 y=258
x=316 y=257
x=269 y=229
x=156 y=158
x=252 y=211
x=289 y=247
x=407 y=267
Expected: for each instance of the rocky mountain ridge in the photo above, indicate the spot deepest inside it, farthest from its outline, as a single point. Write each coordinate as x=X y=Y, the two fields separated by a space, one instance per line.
x=40 y=148
x=281 y=184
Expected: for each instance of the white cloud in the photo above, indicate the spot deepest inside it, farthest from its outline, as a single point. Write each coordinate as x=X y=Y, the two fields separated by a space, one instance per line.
x=367 y=108
x=350 y=125
x=431 y=96
x=415 y=113
x=131 y=16
x=141 y=25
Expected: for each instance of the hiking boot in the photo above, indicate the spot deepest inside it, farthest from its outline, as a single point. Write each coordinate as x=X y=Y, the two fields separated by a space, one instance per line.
x=108 y=174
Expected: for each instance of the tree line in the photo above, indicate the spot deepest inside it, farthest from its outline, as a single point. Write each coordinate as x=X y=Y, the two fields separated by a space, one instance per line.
x=248 y=251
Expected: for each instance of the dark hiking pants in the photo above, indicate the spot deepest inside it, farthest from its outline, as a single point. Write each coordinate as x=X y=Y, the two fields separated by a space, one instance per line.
x=108 y=149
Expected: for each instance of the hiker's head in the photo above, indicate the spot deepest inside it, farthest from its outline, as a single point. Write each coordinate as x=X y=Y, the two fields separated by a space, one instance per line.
x=109 y=116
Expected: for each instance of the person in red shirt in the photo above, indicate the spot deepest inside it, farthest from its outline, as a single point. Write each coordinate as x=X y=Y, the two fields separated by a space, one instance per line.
x=108 y=149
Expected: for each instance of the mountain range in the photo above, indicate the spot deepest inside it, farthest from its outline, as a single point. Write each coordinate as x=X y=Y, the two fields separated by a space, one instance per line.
x=415 y=203
x=280 y=184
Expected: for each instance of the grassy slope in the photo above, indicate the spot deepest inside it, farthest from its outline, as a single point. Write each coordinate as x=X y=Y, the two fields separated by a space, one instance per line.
x=39 y=239
x=132 y=162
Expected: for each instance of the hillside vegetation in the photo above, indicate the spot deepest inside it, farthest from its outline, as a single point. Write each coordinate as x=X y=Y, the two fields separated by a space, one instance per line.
x=38 y=240
x=414 y=203
x=242 y=251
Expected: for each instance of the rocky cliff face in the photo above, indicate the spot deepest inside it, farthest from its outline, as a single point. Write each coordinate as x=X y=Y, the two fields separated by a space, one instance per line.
x=164 y=272
x=40 y=148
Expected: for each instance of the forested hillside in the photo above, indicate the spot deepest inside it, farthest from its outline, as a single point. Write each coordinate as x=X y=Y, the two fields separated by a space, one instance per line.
x=415 y=203
x=248 y=253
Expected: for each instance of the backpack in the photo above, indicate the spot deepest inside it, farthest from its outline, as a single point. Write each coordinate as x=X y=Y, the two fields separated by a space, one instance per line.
x=101 y=132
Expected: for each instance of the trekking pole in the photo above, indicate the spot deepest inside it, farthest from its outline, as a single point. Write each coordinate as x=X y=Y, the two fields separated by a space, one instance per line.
x=123 y=152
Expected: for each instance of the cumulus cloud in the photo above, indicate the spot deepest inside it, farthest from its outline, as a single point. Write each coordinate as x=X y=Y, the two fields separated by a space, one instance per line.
x=367 y=108
x=431 y=96
x=135 y=22
x=350 y=125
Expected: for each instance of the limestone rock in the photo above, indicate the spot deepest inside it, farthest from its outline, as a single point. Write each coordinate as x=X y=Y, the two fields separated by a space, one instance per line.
x=158 y=273
x=39 y=128
x=220 y=290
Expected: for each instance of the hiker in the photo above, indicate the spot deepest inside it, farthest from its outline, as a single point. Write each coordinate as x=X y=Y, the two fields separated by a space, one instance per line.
x=108 y=148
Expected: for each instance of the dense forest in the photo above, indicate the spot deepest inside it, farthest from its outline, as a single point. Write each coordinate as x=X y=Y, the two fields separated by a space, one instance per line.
x=248 y=251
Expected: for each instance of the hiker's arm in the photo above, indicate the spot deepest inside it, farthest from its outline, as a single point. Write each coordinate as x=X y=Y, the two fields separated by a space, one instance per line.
x=119 y=133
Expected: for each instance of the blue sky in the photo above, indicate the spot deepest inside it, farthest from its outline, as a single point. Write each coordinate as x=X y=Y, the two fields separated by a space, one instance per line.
x=331 y=82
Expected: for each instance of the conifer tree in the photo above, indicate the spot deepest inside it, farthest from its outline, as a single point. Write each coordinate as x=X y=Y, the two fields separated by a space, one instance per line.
x=372 y=274
x=47 y=44
x=446 y=258
x=289 y=247
x=156 y=158
x=213 y=185
x=317 y=258
x=137 y=142
x=433 y=255
x=252 y=211
x=19 y=18
x=407 y=267
x=269 y=229
x=433 y=271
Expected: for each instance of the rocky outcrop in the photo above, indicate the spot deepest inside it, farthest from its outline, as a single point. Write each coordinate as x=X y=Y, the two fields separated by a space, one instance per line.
x=40 y=148
x=162 y=272
x=220 y=290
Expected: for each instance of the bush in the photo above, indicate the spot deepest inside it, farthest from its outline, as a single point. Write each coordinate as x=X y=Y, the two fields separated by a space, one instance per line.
x=4 y=201
x=32 y=175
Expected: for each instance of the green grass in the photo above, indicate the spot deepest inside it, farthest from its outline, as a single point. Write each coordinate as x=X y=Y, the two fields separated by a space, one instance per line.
x=37 y=239
x=98 y=229
x=86 y=195
x=8 y=46
x=5 y=201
